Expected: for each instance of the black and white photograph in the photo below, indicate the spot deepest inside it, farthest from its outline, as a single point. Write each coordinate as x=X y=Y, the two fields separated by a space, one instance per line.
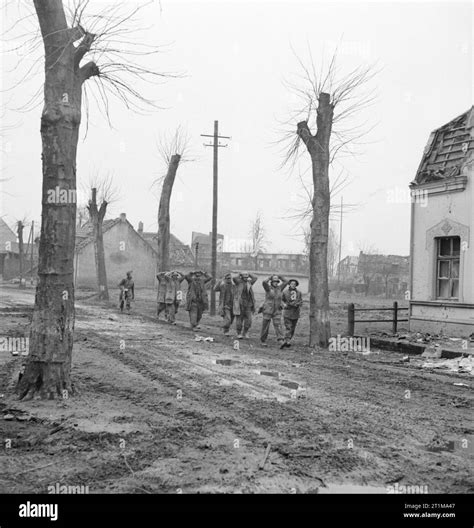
x=236 y=259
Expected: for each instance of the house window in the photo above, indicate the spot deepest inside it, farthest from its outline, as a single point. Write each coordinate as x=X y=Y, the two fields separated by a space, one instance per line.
x=447 y=268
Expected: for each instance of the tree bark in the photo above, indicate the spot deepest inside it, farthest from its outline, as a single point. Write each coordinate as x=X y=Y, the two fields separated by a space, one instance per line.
x=164 y=214
x=318 y=148
x=96 y=216
x=48 y=367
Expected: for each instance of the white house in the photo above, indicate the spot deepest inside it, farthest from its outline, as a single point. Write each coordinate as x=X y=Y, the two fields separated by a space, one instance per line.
x=442 y=232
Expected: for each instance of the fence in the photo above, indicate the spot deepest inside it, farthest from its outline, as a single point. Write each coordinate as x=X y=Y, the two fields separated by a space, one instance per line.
x=351 y=320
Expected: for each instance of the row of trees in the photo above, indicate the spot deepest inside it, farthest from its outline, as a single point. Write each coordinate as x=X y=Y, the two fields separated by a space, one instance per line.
x=328 y=102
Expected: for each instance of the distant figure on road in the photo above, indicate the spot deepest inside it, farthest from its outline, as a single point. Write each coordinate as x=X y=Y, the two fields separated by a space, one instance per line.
x=225 y=287
x=196 y=298
x=292 y=301
x=244 y=303
x=168 y=288
x=272 y=305
x=127 y=292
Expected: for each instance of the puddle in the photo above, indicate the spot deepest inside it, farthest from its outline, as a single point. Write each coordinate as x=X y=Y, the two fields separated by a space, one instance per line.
x=351 y=488
x=226 y=362
x=290 y=384
x=269 y=373
x=437 y=447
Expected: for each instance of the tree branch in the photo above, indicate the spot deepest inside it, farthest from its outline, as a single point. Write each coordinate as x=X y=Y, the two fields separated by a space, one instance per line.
x=76 y=32
x=83 y=47
x=304 y=133
x=88 y=70
x=102 y=210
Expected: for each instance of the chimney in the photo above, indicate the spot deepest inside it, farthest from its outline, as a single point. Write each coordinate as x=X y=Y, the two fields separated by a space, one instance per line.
x=123 y=217
x=140 y=228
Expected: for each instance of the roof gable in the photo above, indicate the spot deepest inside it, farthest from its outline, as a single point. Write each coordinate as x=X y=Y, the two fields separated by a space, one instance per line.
x=6 y=234
x=448 y=149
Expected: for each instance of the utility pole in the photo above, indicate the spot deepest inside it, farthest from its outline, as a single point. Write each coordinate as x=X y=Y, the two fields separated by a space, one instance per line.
x=215 y=144
x=20 y=228
x=340 y=248
x=196 y=251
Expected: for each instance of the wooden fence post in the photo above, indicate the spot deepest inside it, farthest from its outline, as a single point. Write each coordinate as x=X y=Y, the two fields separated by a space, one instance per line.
x=350 y=319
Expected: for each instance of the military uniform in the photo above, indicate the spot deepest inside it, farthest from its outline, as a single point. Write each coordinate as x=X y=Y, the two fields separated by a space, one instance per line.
x=272 y=308
x=292 y=300
x=127 y=292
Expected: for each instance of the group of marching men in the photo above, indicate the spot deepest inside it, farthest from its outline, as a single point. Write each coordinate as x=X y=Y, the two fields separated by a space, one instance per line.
x=236 y=301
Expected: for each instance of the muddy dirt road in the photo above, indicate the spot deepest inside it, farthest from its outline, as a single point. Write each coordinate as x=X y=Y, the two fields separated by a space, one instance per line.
x=157 y=412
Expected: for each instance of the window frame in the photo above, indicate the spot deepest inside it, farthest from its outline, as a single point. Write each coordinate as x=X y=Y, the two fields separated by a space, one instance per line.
x=451 y=258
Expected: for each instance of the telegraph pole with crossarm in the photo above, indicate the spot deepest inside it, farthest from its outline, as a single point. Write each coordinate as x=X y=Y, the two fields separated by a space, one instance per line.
x=215 y=144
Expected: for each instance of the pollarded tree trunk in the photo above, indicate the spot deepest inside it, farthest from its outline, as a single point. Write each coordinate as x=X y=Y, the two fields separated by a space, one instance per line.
x=318 y=148
x=164 y=214
x=48 y=366
x=97 y=219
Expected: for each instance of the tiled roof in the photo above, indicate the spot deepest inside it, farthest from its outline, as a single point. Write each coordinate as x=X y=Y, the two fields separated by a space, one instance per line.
x=180 y=254
x=447 y=150
x=152 y=237
x=6 y=235
x=84 y=233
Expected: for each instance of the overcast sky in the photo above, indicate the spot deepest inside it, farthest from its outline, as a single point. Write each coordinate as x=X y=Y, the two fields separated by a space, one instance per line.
x=236 y=56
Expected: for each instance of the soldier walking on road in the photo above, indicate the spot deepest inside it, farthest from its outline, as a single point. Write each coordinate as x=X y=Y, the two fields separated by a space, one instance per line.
x=173 y=295
x=244 y=303
x=292 y=302
x=127 y=292
x=272 y=305
x=168 y=293
x=196 y=298
x=225 y=287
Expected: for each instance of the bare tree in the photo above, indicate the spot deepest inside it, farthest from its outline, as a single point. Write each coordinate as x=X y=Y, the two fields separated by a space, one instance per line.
x=258 y=237
x=66 y=44
x=329 y=101
x=173 y=151
x=107 y=193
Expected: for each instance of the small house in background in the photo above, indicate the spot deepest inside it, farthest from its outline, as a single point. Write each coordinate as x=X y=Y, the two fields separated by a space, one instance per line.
x=9 y=259
x=181 y=256
x=347 y=268
x=201 y=245
x=125 y=250
x=10 y=255
x=442 y=232
x=383 y=274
